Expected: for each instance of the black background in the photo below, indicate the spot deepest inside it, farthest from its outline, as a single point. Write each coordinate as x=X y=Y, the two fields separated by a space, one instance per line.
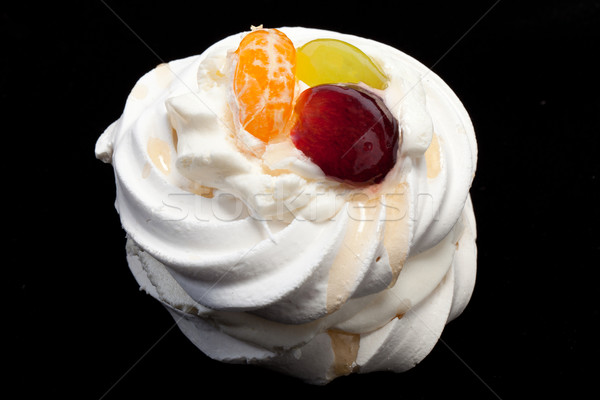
x=527 y=72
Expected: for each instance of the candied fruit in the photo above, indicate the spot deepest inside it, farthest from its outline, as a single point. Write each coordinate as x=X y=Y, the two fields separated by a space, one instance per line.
x=324 y=61
x=347 y=131
x=263 y=82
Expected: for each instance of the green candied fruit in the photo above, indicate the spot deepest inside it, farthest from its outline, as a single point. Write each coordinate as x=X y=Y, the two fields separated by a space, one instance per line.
x=324 y=61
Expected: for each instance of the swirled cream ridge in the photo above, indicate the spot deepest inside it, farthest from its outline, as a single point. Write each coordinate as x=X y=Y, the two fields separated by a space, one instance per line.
x=260 y=257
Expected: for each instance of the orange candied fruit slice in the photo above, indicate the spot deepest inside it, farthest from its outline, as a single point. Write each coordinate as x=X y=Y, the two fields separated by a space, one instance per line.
x=263 y=82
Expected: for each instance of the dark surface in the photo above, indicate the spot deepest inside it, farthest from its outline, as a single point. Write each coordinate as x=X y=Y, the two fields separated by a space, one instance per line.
x=78 y=327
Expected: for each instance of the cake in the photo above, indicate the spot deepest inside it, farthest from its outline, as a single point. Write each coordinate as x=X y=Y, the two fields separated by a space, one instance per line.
x=299 y=199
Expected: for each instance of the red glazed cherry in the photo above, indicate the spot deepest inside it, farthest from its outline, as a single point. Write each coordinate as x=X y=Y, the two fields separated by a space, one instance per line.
x=347 y=131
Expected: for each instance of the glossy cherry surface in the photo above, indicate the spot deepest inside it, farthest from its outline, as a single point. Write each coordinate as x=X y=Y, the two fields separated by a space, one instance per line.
x=347 y=131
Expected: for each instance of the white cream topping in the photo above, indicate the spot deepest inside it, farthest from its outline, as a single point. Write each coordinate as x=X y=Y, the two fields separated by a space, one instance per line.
x=264 y=259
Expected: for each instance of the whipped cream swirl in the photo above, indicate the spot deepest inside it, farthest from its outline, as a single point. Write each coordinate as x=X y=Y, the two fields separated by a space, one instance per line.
x=263 y=259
